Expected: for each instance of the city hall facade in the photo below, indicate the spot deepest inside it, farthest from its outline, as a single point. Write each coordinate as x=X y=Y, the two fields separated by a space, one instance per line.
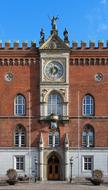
x=54 y=108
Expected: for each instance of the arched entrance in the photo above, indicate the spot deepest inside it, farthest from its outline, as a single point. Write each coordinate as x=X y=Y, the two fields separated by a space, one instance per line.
x=53 y=168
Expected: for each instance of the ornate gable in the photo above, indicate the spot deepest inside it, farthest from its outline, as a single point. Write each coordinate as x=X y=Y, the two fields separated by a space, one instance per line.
x=54 y=42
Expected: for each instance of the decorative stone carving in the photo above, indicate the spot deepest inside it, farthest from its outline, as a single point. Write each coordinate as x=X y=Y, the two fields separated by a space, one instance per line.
x=43 y=93
x=42 y=37
x=89 y=61
x=18 y=61
x=66 y=40
x=63 y=91
x=53 y=22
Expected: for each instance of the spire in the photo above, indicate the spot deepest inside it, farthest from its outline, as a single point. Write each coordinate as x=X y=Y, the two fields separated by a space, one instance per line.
x=41 y=143
x=65 y=33
x=53 y=24
x=66 y=141
x=42 y=37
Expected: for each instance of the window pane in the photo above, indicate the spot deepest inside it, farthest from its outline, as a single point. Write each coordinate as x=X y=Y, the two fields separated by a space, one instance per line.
x=20 y=136
x=50 y=139
x=57 y=138
x=89 y=166
x=17 y=166
x=20 y=105
x=88 y=105
x=54 y=138
x=88 y=163
x=84 y=139
x=88 y=136
x=54 y=104
x=91 y=139
x=22 y=139
x=20 y=162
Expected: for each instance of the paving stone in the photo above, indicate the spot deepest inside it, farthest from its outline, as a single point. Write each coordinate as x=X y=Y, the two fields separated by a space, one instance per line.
x=52 y=186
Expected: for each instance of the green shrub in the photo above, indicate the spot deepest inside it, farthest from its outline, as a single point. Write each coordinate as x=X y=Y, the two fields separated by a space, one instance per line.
x=12 y=176
x=97 y=177
x=97 y=174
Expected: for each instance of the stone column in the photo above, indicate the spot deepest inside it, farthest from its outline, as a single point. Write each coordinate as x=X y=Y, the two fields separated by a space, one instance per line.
x=66 y=158
x=41 y=160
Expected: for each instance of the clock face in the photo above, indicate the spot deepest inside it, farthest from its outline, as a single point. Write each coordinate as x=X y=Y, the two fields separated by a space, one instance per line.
x=54 y=70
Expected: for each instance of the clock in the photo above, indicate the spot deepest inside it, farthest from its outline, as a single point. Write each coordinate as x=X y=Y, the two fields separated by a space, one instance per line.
x=53 y=70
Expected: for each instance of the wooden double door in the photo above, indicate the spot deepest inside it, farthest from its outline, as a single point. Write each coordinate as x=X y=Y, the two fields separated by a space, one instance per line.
x=53 y=168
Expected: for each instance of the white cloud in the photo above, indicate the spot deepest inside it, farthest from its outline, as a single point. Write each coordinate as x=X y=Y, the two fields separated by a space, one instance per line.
x=102 y=27
x=97 y=19
x=103 y=2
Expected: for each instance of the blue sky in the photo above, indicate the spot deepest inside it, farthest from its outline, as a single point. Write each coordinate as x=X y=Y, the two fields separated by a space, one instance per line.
x=84 y=19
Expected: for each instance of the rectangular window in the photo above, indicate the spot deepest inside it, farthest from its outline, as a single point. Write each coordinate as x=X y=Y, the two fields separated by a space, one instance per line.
x=20 y=139
x=54 y=138
x=84 y=140
x=87 y=163
x=50 y=139
x=17 y=139
x=19 y=162
x=57 y=139
x=23 y=139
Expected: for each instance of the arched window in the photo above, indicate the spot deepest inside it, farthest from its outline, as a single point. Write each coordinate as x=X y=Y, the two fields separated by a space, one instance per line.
x=88 y=136
x=54 y=138
x=20 y=136
x=19 y=105
x=88 y=105
x=55 y=104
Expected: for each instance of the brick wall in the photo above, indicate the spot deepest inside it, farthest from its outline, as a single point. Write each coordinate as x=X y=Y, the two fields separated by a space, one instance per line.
x=26 y=79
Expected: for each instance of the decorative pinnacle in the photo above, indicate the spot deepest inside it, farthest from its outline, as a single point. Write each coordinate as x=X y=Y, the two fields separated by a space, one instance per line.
x=42 y=37
x=65 y=33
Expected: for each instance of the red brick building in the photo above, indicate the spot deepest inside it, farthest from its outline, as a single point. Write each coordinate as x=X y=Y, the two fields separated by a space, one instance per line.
x=54 y=108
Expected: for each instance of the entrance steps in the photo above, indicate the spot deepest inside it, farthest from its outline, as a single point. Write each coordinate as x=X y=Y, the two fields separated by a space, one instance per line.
x=74 y=181
x=54 y=182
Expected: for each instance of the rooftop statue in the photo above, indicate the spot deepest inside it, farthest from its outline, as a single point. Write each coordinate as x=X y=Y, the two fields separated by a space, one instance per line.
x=42 y=37
x=53 y=22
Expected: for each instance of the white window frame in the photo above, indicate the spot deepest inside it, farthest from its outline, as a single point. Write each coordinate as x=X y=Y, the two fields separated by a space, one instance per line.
x=87 y=133
x=15 y=163
x=55 y=138
x=83 y=163
x=20 y=135
x=87 y=138
x=90 y=105
x=55 y=104
x=22 y=105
